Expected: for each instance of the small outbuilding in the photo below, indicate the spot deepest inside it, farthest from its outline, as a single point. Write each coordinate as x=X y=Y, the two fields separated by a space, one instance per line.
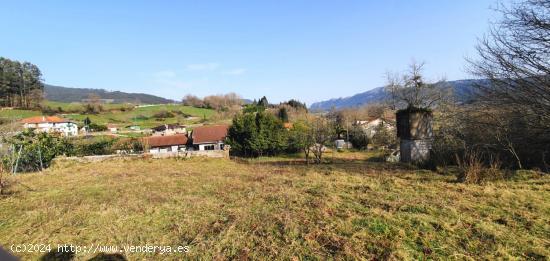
x=164 y=144
x=169 y=129
x=209 y=137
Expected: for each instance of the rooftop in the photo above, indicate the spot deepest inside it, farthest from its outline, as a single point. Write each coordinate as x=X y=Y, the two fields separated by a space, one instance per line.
x=164 y=141
x=209 y=134
x=44 y=119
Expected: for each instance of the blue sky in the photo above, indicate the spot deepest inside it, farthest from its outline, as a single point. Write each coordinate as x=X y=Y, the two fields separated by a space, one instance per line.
x=310 y=50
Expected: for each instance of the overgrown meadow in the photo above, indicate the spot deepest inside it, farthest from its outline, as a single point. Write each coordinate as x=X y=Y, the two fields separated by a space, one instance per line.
x=352 y=208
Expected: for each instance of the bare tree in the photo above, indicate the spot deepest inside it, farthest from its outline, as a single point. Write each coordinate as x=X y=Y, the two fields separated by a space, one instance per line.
x=322 y=133
x=515 y=58
x=410 y=90
x=192 y=100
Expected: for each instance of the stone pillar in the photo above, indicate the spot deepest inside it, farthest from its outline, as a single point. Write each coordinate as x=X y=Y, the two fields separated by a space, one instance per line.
x=414 y=128
x=226 y=149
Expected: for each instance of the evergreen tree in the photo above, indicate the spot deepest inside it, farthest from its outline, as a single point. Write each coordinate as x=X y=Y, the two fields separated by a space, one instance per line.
x=283 y=114
x=263 y=102
x=20 y=84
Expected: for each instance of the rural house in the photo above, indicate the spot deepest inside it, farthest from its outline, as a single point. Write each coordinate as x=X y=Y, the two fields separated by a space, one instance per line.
x=112 y=128
x=169 y=129
x=370 y=126
x=209 y=137
x=51 y=124
x=163 y=144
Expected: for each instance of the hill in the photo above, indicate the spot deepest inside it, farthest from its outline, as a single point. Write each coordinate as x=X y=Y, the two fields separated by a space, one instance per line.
x=462 y=89
x=66 y=94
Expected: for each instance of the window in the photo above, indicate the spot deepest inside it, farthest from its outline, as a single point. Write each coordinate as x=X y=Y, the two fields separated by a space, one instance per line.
x=208 y=147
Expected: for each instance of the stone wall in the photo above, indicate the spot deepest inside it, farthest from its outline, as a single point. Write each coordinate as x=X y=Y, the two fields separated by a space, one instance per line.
x=180 y=154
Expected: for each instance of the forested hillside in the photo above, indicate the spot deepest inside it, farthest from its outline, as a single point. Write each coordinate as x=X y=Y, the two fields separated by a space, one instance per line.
x=65 y=94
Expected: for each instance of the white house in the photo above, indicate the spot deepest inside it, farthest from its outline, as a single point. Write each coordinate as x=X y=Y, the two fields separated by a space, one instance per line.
x=371 y=126
x=51 y=124
x=169 y=129
x=164 y=144
x=209 y=137
x=112 y=128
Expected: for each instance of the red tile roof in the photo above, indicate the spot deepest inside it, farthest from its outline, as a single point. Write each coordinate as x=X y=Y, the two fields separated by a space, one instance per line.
x=209 y=134
x=164 y=141
x=44 y=119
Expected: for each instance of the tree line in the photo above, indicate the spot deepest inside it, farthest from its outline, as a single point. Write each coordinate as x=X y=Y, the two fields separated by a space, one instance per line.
x=20 y=84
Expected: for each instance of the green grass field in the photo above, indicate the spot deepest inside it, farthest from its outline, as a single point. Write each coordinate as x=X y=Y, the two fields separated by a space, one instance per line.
x=276 y=209
x=16 y=115
x=142 y=116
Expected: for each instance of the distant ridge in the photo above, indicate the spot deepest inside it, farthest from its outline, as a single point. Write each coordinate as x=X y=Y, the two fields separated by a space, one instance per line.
x=463 y=91
x=66 y=94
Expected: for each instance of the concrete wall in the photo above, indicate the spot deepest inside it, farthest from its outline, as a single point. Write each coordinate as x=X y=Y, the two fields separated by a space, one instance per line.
x=415 y=151
x=181 y=154
x=195 y=153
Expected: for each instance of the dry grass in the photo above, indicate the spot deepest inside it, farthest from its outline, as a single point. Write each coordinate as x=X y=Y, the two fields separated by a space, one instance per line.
x=268 y=210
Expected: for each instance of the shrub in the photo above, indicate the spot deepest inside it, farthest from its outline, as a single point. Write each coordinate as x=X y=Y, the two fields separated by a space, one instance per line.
x=473 y=169
x=97 y=127
x=131 y=145
x=141 y=117
x=180 y=113
x=47 y=110
x=32 y=151
x=358 y=138
x=93 y=147
x=93 y=108
x=257 y=134
x=163 y=115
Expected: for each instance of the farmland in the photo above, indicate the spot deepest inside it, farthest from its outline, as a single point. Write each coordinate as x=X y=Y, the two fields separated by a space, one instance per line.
x=121 y=115
x=352 y=208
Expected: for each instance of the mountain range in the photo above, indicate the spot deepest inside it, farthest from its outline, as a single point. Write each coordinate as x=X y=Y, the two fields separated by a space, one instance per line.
x=463 y=91
x=66 y=94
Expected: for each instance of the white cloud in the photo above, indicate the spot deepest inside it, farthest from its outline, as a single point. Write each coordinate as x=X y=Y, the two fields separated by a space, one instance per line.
x=236 y=71
x=203 y=66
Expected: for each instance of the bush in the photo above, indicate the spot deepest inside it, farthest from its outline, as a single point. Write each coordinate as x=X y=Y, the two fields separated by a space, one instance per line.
x=47 y=110
x=180 y=113
x=258 y=134
x=131 y=145
x=93 y=147
x=93 y=108
x=97 y=127
x=34 y=151
x=164 y=115
x=358 y=138
x=473 y=169
x=140 y=117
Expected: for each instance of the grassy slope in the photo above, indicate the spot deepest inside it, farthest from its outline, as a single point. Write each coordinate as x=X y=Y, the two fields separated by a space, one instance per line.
x=18 y=114
x=132 y=117
x=269 y=210
x=122 y=118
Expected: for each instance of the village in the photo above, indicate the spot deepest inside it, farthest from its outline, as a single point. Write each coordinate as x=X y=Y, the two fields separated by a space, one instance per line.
x=173 y=139
x=288 y=130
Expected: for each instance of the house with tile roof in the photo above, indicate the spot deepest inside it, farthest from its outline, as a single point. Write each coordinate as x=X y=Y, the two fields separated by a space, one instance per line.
x=52 y=124
x=209 y=137
x=164 y=144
